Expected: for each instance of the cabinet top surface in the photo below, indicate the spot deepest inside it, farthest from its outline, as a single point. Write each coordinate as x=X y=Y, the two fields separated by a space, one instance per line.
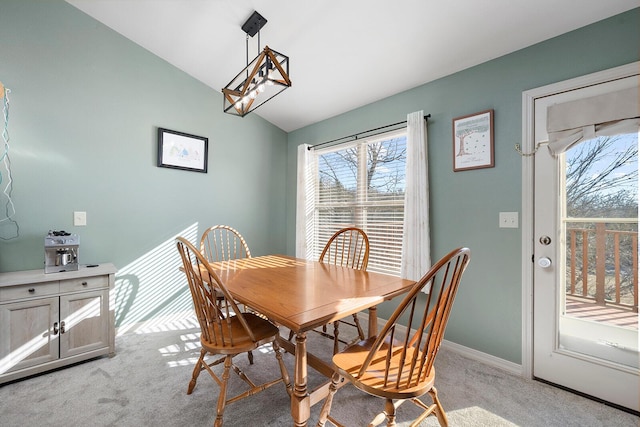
x=39 y=276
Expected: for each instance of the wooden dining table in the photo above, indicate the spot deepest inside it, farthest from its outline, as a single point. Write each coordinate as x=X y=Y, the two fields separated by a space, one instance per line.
x=302 y=295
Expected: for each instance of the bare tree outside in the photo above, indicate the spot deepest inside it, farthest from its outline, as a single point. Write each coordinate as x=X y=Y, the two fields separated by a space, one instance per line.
x=602 y=179
x=340 y=169
x=602 y=183
x=363 y=186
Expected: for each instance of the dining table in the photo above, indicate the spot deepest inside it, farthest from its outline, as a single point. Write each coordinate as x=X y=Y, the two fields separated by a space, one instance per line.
x=302 y=295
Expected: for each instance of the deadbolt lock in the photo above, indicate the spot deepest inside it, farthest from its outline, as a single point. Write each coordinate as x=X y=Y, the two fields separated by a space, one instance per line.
x=545 y=240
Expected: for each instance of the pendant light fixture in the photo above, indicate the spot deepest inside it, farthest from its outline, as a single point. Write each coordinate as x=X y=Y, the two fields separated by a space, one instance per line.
x=262 y=79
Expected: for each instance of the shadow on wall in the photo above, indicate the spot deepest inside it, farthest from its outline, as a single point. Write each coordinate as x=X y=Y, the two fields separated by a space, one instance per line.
x=152 y=289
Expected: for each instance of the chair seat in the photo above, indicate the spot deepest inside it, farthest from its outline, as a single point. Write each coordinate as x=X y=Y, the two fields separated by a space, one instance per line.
x=351 y=359
x=262 y=329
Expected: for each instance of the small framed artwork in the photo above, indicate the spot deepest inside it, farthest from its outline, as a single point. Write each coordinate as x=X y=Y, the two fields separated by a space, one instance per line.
x=473 y=141
x=178 y=150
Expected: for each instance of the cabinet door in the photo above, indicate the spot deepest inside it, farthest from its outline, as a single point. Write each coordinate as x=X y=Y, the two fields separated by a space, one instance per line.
x=28 y=333
x=84 y=322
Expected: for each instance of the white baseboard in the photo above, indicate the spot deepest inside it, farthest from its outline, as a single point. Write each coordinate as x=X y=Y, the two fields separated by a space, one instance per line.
x=485 y=358
x=468 y=352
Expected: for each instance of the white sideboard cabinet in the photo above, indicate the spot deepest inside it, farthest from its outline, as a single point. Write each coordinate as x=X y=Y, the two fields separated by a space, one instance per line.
x=51 y=320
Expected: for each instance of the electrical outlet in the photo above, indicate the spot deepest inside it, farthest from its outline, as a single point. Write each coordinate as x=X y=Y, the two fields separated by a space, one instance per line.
x=508 y=219
x=79 y=219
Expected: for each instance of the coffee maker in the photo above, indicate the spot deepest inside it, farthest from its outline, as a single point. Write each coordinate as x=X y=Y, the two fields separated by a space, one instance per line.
x=61 y=252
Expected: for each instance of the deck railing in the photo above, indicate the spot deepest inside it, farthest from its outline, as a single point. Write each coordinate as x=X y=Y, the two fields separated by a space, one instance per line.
x=602 y=264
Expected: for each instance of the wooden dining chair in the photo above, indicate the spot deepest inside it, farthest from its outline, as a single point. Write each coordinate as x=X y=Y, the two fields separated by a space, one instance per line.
x=225 y=330
x=397 y=365
x=348 y=247
x=224 y=243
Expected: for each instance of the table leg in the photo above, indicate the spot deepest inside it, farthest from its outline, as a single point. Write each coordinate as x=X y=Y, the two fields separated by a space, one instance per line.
x=373 y=321
x=300 y=402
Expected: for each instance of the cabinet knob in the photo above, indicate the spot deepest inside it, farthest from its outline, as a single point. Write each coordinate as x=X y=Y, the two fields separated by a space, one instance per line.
x=84 y=283
x=55 y=328
x=31 y=290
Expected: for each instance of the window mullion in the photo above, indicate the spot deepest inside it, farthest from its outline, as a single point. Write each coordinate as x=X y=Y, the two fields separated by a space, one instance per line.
x=361 y=197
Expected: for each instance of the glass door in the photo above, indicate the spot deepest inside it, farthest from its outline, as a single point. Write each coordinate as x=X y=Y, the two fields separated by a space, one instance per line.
x=599 y=310
x=585 y=286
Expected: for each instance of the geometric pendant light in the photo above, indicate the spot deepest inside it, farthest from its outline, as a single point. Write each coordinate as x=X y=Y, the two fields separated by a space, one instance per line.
x=262 y=79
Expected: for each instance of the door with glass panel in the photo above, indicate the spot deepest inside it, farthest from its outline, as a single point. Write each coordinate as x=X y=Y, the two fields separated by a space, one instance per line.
x=585 y=286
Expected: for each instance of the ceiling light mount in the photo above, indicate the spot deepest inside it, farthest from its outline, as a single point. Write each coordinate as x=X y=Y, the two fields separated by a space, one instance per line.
x=262 y=79
x=254 y=24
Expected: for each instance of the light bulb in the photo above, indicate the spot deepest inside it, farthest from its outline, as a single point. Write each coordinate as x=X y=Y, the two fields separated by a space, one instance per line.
x=269 y=79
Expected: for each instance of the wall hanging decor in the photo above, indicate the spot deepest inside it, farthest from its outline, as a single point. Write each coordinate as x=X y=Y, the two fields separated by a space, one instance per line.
x=178 y=150
x=473 y=141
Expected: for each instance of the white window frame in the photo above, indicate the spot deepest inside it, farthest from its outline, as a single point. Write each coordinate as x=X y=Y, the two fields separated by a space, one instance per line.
x=378 y=242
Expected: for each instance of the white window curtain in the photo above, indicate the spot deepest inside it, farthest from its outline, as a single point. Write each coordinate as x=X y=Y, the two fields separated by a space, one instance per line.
x=613 y=113
x=305 y=202
x=416 y=256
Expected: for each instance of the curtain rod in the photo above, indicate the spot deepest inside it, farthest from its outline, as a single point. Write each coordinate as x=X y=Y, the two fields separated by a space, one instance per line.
x=355 y=135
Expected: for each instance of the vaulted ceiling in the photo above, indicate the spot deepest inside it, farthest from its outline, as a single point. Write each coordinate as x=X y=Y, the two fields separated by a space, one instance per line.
x=343 y=53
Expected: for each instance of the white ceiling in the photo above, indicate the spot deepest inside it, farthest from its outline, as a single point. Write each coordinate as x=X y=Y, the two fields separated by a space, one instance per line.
x=343 y=53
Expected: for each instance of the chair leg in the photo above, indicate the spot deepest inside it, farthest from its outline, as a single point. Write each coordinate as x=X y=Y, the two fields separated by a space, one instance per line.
x=196 y=371
x=335 y=337
x=250 y=356
x=439 y=411
x=326 y=407
x=379 y=419
x=222 y=398
x=357 y=322
x=390 y=412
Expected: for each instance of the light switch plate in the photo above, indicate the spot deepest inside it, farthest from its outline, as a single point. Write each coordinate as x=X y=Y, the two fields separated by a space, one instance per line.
x=508 y=219
x=79 y=219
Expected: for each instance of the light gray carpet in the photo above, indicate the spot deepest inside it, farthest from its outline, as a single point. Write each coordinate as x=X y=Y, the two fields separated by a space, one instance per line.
x=145 y=384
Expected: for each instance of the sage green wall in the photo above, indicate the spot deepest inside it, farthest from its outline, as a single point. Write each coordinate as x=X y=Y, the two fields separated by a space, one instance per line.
x=85 y=105
x=464 y=206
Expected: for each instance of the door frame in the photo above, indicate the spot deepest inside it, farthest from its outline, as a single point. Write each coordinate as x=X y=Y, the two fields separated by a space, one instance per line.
x=529 y=148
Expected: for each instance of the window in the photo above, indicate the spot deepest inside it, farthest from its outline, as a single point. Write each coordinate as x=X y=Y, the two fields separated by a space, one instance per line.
x=362 y=184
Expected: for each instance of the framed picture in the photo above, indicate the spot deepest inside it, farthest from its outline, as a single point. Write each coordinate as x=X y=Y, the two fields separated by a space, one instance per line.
x=473 y=141
x=179 y=150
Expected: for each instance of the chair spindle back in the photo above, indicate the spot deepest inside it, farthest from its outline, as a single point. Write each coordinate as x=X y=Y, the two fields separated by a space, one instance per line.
x=348 y=247
x=410 y=358
x=222 y=243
